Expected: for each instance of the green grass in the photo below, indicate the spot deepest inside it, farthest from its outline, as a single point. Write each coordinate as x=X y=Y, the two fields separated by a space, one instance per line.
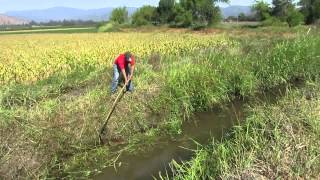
x=197 y=82
x=279 y=141
x=51 y=127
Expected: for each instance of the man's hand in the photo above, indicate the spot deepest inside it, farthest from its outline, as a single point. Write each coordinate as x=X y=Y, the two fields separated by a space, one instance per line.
x=130 y=77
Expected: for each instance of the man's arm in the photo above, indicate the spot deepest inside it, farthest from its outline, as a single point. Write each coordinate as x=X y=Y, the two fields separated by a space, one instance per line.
x=124 y=75
x=131 y=73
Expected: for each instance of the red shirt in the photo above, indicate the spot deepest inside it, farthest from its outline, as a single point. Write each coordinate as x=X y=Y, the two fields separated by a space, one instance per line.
x=121 y=61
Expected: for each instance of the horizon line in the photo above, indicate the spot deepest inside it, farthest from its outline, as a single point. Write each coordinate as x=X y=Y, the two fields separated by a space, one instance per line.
x=221 y=6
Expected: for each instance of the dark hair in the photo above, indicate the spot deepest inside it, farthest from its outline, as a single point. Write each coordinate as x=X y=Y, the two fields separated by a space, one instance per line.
x=127 y=55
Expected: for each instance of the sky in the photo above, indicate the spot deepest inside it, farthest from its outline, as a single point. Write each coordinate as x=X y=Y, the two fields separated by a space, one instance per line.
x=16 y=5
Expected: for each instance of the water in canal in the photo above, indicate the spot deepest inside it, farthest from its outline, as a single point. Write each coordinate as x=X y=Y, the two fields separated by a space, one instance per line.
x=202 y=128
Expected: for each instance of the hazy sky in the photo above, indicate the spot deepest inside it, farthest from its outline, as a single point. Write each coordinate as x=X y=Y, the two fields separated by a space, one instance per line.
x=13 y=5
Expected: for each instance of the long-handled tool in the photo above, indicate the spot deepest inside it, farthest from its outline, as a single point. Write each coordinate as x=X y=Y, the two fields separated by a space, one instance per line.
x=103 y=128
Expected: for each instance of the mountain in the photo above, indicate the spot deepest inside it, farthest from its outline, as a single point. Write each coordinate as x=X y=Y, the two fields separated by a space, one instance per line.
x=235 y=11
x=7 y=20
x=65 y=13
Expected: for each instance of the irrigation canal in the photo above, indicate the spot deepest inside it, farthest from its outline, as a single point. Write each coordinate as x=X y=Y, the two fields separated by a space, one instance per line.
x=202 y=128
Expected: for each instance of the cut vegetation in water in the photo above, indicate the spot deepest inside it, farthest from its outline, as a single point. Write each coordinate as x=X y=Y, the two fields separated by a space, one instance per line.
x=55 y=93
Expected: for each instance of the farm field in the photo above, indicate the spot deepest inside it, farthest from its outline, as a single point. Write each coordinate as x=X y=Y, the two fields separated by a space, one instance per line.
x=55 y=95
x=50 y=30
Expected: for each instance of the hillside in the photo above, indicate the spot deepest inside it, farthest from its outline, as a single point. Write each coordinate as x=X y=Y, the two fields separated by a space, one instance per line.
x=8 y=20
x=66 y=13
x=235 y=11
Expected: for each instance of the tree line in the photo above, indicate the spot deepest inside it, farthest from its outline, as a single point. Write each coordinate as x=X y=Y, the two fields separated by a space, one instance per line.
x=204 y=13
x=185 y=13
x=286 y=11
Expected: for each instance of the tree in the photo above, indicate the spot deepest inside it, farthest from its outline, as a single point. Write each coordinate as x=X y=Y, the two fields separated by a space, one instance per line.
x=311 y=10
x=262 y=10
x=33 y=23
x=286 y=11
x=183 y=13
x=119 y=15
x=216 y=16
x=232 y=18
x=165 y=11
x=144 y=16
x=242 y=17
x=204 y=12
x=183 y=18
x=281 y=8
x=294 y=17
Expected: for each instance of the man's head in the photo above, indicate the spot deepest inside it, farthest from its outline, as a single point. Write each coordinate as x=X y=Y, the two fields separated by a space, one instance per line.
x=128 y=56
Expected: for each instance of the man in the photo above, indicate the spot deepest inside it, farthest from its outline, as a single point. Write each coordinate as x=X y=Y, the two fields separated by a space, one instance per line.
x=121 y=66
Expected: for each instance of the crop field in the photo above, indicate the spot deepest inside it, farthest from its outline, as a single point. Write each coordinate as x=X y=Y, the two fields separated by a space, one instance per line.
x=55 y=92
x=35 y=57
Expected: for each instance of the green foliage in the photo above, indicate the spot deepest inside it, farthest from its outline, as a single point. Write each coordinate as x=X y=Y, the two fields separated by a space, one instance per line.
x=275 y=142
x=60 y=115
x=294 y=17
x=217 y=16
x=289 y=59
x=196 y=85
x=273 y=21
x=262 y=10
x=183 y=18
x=144 y=16
x=119 y=15
x=204 y=12
x=242 y=17
x=283 y=12
x=266 y=129
x=188 y=13
x=311 y=10
x=109 y=27
x=281 y=8
x=286 y=11
x=165 y=11
x=18 y=95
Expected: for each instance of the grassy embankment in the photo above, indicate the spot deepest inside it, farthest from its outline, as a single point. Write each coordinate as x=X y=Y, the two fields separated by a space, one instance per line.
x=50 y=126
x=275 y=141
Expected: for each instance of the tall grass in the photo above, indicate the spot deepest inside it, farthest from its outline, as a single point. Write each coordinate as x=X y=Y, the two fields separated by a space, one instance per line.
x=54 y=122
x=196 y=82
x=276 y=141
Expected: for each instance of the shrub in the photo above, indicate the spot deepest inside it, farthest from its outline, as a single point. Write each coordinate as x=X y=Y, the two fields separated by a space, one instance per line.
x=144 y=16
x=273 y=21
x=183 y=18
x=119 y=15
x=109 y=27
x=295 y=18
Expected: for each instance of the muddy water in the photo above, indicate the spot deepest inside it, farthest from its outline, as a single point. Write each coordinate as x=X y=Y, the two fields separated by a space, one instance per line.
x=202 y=128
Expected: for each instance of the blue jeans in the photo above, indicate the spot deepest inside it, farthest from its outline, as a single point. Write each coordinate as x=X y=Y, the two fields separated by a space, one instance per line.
x=116 y=75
